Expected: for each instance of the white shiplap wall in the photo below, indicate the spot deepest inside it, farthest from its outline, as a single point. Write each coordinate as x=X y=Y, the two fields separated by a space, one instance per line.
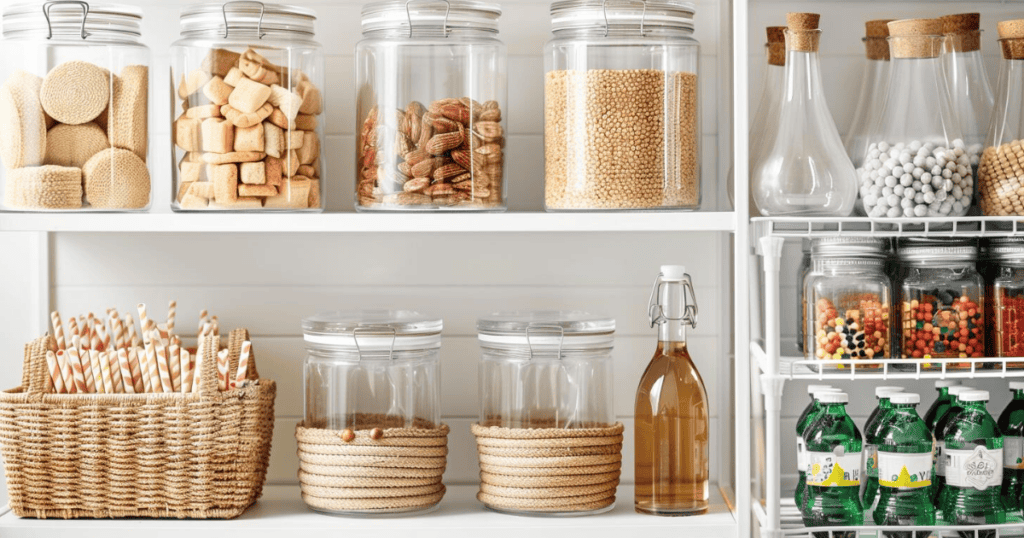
x=268 y=282
x=842 y=63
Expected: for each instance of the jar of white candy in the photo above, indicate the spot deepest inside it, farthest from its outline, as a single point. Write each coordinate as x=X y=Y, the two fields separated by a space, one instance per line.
x=919 y=166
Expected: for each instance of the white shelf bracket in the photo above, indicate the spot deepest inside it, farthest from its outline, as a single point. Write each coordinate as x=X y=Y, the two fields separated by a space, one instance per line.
x=772 y=383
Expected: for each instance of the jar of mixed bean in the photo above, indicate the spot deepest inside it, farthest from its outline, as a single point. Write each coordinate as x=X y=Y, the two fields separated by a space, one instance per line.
x=848 y=298
x=942 y=301
x=1007 y=285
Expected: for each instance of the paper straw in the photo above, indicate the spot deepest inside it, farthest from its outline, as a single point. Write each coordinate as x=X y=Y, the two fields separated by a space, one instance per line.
x=132 y=339
x=115 y=371
x=203 y=314
x=155 y=384
x=118 y=328
x=78 y=371
x=66 y=373
x=197 y=370
x=215 y=326
x=243 y=363
x=188 y=364
x=163 y=368
x=84 y=333
x=55 y=383
x=72 y=329
x=101 y=336
x=137 y=360
x=97 y=371
x=82 y=357
x=163 y=334
x=222 y=369
x=104 y=361
x=125 y=368
x=58 y=330
x=144 y=323
x=174 y=364
x=172 y=312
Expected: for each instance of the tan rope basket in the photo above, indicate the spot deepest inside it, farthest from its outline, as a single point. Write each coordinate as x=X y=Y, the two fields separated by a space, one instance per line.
x=201 y=455
x=548 y=470
x=400 y=471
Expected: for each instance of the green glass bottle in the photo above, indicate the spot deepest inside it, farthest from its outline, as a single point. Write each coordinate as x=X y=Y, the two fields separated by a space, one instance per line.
x=871 y=429
x=974 y=460
x=904 y=469
x=834 y=446
x=808 y=416
x=939 y=480
x=1011 y=424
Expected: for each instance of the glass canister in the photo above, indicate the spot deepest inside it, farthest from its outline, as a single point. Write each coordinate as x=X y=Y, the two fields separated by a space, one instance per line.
x=546 y=369
x=621 y=106
x=73 y=108
x=431 y=79
x=1001 y=172
x=849 y=297
x=1007 y=323
x=247 y=83
x=872 y=90
x=969 y=87
x=942 y=311
x=372 y=369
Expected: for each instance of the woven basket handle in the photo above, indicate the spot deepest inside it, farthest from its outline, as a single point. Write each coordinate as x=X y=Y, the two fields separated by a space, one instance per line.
x=210 y=348
x=35 y=370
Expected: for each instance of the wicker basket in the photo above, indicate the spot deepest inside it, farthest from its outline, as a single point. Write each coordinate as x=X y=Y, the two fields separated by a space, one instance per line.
x=202 y=455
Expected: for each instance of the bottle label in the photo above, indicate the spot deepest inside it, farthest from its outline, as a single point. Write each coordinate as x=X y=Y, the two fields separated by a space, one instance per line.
x=979 y=468
x=833 y=469
x=904 y=470
x=939 y=460
x=801 y=454
x=1013 y=452
x=871 y=460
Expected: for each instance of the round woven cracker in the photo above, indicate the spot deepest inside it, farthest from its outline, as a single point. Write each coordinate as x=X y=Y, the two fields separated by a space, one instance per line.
x=376 y=451
x=43 y=187
x=22 y=122
x=562 y=492
x=359 y=482
x=545 y=433
x=328 y=492
x=116 y=179
x=549 y=443
x=535 y=452
x=551 y=471
x=74 y=145
x=75 y=92
x=371 y=461
x=569 y=504
x=569 y=461
x=367 y=472
x=514 y=481
x=385 y=504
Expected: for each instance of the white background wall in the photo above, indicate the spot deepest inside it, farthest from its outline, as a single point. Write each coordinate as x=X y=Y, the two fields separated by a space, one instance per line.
x=268 y=282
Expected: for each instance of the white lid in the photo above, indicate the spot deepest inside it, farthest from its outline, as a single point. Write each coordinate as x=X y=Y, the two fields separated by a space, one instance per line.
x=881 y=392
x=811 y=389
x=546 y=332
x=833 y=397
x=944 y=383
x=974 y=396
x=905 y=398
x=430 y=17
x=245 y=18
x=822 y=391
x=373 y=330
x=66 y=19
x=1016 y=385
x=959 y=389
x=673 y=272
x=602 y=14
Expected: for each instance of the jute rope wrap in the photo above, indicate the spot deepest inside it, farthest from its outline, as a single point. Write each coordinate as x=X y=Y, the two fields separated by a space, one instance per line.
x=400 y=471
x=550 y=469
x=201 y=455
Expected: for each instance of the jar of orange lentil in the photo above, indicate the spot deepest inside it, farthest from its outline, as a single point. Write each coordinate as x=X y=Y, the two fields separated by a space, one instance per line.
x=1007 y=323
x=942 y=313
x=849 y=296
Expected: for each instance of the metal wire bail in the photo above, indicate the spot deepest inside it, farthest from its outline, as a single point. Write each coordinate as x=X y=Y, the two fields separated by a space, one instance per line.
x=447 y=11
x=375 y=330
x=551 y=329
x=656 y=313
x=46 y=14
x=643 y=16
x=259 y=25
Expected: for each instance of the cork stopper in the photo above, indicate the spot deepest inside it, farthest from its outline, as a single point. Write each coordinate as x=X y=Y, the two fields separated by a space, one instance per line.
x=876 y=47
x=963 y=31
x=776 y=45
x=803 y=31
x=916 y=38
x=1011 y=38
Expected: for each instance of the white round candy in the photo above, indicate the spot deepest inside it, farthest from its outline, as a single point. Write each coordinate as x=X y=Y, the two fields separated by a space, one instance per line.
x=894 y=212
x=920 y=211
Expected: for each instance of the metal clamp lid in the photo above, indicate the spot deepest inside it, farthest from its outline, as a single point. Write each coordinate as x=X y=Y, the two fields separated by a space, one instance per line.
x=259 y=25
x=46 y=14
x=447 y=13
x=553 y=329
x=656 y=312
x=375 y=330
x=643 y=16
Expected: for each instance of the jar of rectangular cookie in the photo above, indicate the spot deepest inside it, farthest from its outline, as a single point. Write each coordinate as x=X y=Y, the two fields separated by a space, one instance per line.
x=621 y=106
x=247 y=84
x=431 y=105
x=74 y=93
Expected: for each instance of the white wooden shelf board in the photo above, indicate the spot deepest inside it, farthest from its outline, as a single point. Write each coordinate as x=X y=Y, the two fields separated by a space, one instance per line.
x=281 y=510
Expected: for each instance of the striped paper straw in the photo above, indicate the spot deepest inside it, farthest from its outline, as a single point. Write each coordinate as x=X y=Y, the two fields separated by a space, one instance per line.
x=132 y=338
x=155 y=385
x=144 y=323
x=215 y=326
x=102 y=335
x=55 y=382
x=78 y=371
x=115 y=371
x=84 y=333
x=163 y=334
x=187 y=370
x=163 y=368
x=72 y=329
x=82 y=356
x=97 y=371
x=203 y=314
x=118 y=328
x=243 y=364
x=222 y=369
x=124 y=366
x=172 y=312
x=137 y=360
x=174 y=364
x=197 y=370
x=108 y=378
x=66 y=373
x=58 y=331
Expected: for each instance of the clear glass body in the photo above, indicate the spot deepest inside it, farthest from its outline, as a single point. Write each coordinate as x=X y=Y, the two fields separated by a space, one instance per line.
x=672 y=425
x=1008 y=311
x=344 y=391
x=431 y=113
x=801 y=295
x=999 y=176
x=942 y=312
x=64 y=147
x=847 y=312
x=838 y=503
x=973 y=428
x=806 y=171
x=910 y=502
x=918 y=165
x=595 y=84
x=764 y=126
x=969 y=89
x=266 y=153
x=873 y=87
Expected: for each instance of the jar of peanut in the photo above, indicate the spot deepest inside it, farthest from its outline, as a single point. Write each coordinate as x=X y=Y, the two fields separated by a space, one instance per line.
x=621 y=106
x=431 y=101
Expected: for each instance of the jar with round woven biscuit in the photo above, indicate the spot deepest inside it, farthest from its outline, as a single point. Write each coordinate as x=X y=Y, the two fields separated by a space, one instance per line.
x=547 y=438
x=74 y=93
x=372 y=383
x=247 y=87
x=432 y=98
x=1000 y=174
x=621 y=106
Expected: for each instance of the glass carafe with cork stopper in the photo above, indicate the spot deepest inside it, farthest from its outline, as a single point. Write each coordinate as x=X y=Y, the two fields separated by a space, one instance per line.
x=763 y=128
x=806 y=171
x=969 y=87
x=671 y=414
x=918 y=165
x=1000 y=174
x=874 y=84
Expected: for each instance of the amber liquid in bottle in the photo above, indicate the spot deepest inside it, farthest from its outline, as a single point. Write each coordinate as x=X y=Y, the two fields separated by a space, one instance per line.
x=671 y=424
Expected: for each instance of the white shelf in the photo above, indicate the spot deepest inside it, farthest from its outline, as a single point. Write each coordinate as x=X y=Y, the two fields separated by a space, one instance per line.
x=792 y=227
x=653 y=221
x=282 y=511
